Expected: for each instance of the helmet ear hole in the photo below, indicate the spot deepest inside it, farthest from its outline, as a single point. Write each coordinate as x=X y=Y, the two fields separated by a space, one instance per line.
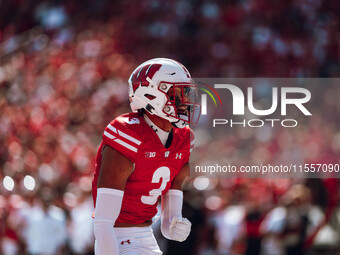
x=150 y=97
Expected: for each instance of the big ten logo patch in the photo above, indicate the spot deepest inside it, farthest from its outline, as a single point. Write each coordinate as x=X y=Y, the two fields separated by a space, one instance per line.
x=150 y=154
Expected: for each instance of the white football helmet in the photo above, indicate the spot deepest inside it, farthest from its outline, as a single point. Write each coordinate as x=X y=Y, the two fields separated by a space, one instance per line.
x=164 y=87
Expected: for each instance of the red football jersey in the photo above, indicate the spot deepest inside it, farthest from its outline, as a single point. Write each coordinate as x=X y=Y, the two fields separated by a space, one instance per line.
x=155 y=166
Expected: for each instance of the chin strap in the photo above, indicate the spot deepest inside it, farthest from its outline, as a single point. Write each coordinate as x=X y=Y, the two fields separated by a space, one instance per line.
x=180 y=123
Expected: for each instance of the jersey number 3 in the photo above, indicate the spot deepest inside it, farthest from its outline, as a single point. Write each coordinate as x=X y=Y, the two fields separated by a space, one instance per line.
x=164 y=173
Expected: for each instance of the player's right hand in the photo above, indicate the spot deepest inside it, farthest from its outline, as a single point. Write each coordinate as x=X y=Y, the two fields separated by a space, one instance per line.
x=180 y=229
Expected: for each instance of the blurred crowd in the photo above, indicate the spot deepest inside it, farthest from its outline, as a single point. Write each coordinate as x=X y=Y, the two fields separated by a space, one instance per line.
x=64 y=67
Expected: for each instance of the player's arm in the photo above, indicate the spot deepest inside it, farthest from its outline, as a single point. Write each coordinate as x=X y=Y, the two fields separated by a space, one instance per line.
x=181 y=177
x=114 y=171
x=173 y=226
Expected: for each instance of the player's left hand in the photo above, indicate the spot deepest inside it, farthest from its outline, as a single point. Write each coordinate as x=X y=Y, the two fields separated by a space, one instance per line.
x=180 y=229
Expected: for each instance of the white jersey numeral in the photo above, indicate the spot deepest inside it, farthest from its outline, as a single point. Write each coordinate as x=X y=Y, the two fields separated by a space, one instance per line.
x=164 y=173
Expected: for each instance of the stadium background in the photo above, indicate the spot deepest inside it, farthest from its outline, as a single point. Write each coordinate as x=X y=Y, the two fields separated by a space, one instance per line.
x=63 y=76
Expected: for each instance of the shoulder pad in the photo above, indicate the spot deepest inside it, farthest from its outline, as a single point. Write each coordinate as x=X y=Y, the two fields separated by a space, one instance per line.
x=122 y=134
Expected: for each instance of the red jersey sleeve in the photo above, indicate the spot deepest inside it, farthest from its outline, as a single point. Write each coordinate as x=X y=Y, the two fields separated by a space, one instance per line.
x=120 y=136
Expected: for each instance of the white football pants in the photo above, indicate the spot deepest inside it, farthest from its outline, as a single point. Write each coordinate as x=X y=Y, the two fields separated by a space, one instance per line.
x=136 y=241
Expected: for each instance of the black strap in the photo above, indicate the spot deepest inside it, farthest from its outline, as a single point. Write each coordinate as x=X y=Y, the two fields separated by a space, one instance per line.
x=169 y=141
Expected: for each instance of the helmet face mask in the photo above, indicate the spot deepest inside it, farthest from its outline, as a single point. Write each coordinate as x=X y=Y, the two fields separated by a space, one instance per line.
x=182 y=102
x=163 y=87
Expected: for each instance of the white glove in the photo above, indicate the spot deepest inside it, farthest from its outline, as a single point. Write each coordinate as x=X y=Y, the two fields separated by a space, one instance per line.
x=173 y=226
x=179 y=229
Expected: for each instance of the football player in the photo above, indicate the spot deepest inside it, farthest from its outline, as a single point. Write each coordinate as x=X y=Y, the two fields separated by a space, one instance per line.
x=143 y=156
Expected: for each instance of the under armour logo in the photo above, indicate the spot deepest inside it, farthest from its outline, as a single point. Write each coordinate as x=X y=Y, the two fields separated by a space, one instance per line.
x=178 y=155
x=127 y=242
